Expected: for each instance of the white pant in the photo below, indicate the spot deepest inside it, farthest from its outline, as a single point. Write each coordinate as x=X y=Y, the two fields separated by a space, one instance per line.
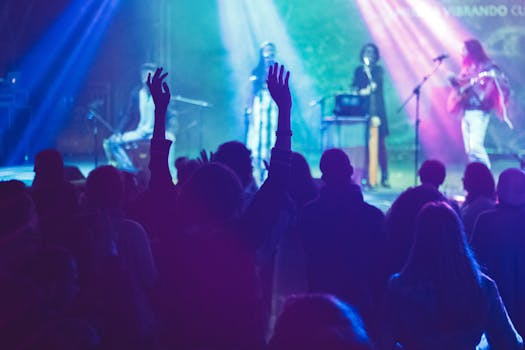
x=261 y=131
x=474 y=128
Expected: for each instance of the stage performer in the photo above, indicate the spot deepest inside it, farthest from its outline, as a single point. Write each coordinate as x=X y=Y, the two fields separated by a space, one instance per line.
x=261 y=112
x=141 y=106
x=479 y=88
x=141 y=112
x=368 y=82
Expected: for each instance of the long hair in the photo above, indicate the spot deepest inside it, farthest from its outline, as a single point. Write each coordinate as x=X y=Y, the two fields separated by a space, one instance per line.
x=441 y=260
x=374 y=47
x=261 y=69
x=302 y=188
x=475 y=53
x=478 y=182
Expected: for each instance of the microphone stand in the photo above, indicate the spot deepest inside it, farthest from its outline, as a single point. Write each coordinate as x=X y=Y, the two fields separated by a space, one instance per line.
x=417 y=92
x=96 y=118
x=95 y=140
x=192 y=101
x=322 y=103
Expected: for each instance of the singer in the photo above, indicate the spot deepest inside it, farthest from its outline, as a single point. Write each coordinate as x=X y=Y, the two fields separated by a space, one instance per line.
x=479 y=88
x=261 y=112
x=368 y=82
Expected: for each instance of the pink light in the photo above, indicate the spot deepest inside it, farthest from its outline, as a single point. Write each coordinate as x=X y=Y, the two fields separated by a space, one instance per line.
x=409 y=33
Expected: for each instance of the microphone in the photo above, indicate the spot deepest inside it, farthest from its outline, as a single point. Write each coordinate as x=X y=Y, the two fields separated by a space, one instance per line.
x=316 y=102
x=366 y=68
x=440 y=57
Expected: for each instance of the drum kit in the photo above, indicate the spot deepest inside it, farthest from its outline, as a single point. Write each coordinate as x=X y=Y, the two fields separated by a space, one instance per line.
x=177 y=123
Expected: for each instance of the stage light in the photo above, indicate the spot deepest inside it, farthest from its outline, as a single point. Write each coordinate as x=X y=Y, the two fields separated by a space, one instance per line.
x=244 y=26
x=409 y=34
x=54 y=70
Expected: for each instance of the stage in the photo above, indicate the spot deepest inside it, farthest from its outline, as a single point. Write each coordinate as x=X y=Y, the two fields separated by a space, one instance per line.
x=71 y=89
x=401 y=176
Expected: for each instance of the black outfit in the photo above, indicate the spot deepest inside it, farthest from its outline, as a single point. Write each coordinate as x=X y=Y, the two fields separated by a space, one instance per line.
x=340 y=234
x=499 y=244
x=374 y=104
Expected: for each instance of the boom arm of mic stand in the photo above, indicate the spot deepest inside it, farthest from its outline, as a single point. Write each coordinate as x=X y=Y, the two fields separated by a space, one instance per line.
x=319 y=100
x=191 y=101
x=417 y=89
x=102 y=121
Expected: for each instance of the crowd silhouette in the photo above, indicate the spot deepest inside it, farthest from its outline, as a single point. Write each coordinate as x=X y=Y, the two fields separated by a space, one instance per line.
x=216 y=262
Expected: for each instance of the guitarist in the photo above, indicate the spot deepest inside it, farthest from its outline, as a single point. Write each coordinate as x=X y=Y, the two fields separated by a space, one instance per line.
x=368 y=82
x=479 y=88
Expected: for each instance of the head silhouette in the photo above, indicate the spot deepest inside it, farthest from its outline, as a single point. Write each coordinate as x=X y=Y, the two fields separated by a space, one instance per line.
x=440 y=249
x=213 y=195
x=104 y=188
x=432 y=172
x=49 y=168
x=238 y=158
x=318 y=321
x=478 y=181
x=441 y=260
x=335 y=167
x=511 y=187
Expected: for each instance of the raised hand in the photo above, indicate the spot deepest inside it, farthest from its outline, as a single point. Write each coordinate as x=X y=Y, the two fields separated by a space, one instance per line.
x=204 y=158
x=277 y=82
x=159 y=89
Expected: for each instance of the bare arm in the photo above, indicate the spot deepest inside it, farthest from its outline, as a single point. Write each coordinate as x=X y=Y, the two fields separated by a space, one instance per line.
x=280 y=91
x=160 y=92
x=263 y=213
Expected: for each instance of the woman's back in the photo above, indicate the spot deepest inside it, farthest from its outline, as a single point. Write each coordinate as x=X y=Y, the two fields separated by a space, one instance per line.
x=440 y=299
x=416 y=319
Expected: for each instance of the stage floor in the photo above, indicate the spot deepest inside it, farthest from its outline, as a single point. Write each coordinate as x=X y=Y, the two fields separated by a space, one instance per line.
x=401 y=177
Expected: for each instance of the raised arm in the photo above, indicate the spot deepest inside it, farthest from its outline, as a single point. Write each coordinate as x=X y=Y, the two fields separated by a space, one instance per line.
x=271 y=200
x=160 y=93
x=280 y=91
x=160 y=174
